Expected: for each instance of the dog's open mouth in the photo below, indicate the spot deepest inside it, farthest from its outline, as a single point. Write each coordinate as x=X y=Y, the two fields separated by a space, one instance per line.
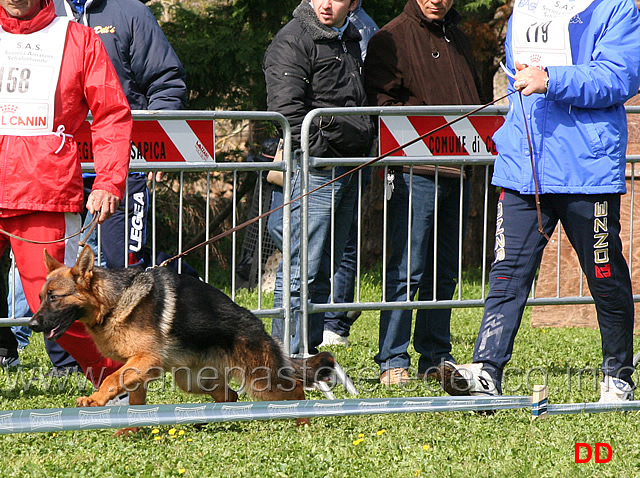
x=58 y=330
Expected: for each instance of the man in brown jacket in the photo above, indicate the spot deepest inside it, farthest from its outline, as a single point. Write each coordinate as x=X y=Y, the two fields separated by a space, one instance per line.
x=421 y=58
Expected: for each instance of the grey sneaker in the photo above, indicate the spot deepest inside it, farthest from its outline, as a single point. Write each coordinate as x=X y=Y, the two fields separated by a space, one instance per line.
x=468 y=379
x=614 y=390
x=119 y=401
x=9 y=362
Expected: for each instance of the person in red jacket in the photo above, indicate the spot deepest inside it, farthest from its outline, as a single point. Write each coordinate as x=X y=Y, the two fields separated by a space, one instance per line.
x=52 y=73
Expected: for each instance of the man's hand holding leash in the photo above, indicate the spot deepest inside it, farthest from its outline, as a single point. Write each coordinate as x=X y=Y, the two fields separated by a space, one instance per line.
x=530 y=79
x=104 y=202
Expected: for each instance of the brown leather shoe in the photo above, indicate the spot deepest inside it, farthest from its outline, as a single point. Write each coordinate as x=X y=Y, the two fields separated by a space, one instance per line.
x=394 y=376
x=431 y=375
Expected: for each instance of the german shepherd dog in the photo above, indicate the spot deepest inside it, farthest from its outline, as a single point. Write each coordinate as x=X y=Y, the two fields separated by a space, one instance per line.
x=156 y=320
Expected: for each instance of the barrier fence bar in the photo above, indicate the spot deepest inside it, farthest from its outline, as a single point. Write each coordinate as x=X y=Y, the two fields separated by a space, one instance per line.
x=595 y=407
x=67 y=419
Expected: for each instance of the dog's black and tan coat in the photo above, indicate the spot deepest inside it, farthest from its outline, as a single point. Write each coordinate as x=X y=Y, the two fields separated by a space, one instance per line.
x=156 y=320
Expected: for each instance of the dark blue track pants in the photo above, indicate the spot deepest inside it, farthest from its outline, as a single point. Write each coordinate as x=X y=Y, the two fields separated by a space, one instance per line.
x=592 y=225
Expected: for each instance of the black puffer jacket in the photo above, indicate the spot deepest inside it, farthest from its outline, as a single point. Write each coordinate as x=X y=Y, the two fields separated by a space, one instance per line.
x=308 y=66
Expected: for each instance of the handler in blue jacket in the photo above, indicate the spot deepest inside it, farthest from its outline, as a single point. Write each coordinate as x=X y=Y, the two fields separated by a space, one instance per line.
x=575 y=63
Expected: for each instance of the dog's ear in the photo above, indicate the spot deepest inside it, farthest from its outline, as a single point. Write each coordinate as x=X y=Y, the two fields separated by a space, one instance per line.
x=83 y=268
x=50 y=262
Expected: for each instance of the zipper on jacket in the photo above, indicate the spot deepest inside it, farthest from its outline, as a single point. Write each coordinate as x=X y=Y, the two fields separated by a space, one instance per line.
x=3 y=169
x=344 y=47
x=286 y=73
x=444 y=34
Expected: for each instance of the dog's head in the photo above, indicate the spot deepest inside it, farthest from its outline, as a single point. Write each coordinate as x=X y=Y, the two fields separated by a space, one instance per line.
x=66 y=295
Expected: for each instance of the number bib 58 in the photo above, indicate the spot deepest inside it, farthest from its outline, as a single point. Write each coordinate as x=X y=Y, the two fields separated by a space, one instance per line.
x=29 y=72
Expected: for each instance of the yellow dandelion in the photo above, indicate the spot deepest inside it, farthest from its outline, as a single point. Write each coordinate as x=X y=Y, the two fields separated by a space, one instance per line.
x=172 y=431
x=426 y=447
x=361 y=435
x=357 y=442
x=181 y=470
x=189 y=439
x=349 y=349
x=54 y=435
x=418 y=473
x=172 y=437
x=544 y=331
x=181 y=432
x=381 y=432
x=155 y=431
x=157 y=437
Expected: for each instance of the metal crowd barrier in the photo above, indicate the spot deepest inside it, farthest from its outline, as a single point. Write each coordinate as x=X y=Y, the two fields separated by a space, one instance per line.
x=179 y=127
x=478 y=158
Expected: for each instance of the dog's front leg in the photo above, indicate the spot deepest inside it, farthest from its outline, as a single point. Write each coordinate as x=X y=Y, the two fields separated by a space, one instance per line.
x=135 y=374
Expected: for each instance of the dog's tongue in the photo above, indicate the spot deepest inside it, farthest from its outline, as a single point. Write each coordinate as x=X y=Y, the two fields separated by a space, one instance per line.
x=49 y=335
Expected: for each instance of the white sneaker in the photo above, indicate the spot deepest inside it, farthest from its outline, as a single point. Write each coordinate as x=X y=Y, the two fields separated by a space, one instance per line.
x=119 y=401
x=614 y=390
x=331 y=338
x=468 y=379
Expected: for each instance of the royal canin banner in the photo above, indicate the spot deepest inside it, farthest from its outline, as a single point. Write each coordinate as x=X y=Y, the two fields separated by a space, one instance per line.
x=468 y=137
x=160 y=141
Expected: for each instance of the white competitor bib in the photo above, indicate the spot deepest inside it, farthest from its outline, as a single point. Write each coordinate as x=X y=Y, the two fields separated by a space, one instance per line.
x=29 y=73
x=540 y=34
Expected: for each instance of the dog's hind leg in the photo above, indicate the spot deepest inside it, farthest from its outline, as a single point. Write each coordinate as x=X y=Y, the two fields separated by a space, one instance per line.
x=194 y=381
x=276 y=385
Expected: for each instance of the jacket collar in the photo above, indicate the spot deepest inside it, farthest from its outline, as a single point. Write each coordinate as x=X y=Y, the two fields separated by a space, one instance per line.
x=43 y=18
x=307 y=17
x=413 y=10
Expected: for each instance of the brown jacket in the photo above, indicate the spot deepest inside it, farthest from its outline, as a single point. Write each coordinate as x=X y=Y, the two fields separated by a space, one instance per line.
x=412 y=61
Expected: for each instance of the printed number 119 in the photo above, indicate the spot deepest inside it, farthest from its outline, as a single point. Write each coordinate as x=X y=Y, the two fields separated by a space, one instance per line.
x=538 y=31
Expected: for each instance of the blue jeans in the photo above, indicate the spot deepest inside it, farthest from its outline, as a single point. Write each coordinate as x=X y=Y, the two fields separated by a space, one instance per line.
x=319 y=249
x=274 y=224
x=519 y=248
x=21 y=332
x=344 y=284
x=432 y=335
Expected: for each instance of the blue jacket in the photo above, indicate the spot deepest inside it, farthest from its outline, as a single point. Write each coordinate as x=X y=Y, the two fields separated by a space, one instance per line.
x=150 y=72
x=579 y=128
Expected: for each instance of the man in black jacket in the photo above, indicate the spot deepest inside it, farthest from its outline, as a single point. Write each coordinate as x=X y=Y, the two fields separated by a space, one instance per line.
x=314 y=61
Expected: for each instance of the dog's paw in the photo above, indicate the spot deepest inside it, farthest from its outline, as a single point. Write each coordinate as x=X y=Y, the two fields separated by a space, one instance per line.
x=124 y=432
x=88 y=402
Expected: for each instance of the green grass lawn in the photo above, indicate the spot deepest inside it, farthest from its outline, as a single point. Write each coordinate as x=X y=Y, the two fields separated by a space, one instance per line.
x=505 y=444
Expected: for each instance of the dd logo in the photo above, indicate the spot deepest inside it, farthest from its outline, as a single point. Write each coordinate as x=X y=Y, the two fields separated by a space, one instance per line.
x=598 y=457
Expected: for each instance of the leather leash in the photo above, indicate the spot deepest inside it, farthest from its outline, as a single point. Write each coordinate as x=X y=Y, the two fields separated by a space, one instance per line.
x=357 y=168
x=533 y=172
x=91 y=226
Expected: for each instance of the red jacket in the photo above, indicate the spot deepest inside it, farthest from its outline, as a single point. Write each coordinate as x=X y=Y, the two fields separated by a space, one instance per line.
x=32 y=176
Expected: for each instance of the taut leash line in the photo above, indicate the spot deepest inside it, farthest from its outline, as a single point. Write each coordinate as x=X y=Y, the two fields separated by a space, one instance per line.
x=357 y=168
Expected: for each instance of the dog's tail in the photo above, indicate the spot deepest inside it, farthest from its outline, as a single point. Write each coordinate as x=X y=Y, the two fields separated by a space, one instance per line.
x=317 y=368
